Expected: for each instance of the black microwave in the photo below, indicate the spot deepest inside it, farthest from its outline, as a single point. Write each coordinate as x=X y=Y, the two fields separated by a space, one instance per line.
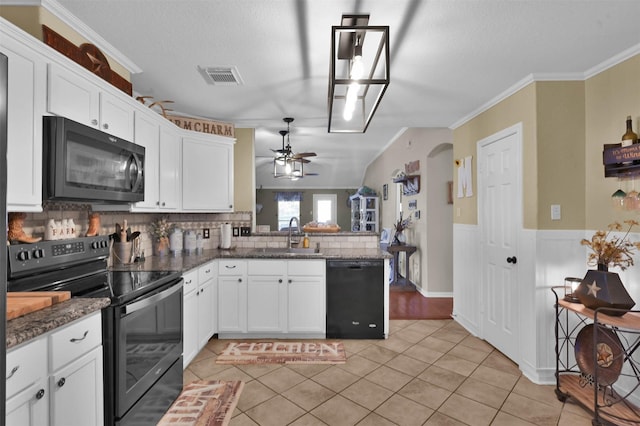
x=84 y=164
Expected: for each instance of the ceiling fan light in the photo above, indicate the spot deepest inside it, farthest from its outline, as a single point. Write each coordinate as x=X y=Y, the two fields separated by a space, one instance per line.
x=357 y=67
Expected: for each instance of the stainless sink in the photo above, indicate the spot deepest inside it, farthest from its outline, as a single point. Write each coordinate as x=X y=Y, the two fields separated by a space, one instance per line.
x=285 y=250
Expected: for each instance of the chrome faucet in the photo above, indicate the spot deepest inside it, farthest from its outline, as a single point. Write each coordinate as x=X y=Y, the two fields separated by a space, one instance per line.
x=291 y=237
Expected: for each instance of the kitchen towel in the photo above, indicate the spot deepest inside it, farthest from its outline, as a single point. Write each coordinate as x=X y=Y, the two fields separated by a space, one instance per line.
x=225 y=236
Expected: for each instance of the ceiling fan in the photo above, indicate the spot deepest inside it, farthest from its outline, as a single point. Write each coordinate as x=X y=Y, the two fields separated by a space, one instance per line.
x=287 y=158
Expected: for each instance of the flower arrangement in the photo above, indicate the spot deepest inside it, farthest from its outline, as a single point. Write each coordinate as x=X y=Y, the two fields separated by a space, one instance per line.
x=611 y=250
x=400 y=226
x=161 y=229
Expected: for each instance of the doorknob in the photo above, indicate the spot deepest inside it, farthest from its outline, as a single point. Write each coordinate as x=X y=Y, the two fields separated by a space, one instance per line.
x=512 y=259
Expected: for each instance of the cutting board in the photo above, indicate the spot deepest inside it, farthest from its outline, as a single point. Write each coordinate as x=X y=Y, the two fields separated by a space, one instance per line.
x=22 y=303
x=56 y=296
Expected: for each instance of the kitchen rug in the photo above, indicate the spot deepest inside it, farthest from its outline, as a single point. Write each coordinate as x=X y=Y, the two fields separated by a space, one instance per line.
x=204 y=403
x=283 y=352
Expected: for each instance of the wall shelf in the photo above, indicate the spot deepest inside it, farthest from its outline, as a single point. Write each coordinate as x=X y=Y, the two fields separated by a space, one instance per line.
x=621 y=161
x=410 y=184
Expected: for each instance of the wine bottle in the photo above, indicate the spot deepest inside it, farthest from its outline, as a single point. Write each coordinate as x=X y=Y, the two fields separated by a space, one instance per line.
x=629 y=137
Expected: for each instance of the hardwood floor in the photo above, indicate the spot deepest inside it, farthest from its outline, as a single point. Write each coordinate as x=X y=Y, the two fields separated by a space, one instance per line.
x=405 y=302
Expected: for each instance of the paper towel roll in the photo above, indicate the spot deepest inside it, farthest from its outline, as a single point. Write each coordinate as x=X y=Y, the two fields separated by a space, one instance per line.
x=225 y=236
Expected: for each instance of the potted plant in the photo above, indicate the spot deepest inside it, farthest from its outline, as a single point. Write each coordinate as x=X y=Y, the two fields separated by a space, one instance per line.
x=601 y=288
x=160 y=230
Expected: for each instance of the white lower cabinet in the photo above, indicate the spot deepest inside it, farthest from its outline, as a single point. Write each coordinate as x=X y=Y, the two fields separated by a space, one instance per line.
x=278 y=298
x=199 y=309
x=232 y=296
x=306 y=297
x=56 y=379
x=266 y=296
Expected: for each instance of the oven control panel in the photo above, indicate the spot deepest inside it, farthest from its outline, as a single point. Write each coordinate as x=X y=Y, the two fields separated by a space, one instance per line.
x=29 y=258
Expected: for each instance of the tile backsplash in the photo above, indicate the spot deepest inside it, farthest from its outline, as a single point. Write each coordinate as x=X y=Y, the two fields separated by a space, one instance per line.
x=34 y=223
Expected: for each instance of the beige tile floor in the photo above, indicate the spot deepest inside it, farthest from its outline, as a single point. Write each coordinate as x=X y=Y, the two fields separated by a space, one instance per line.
x=429 y=372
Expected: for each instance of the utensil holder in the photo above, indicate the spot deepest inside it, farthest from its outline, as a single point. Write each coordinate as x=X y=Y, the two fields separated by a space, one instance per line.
x=122 y=253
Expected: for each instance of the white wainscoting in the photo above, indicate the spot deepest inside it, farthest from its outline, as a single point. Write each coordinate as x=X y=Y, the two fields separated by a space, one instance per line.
x=466 y=281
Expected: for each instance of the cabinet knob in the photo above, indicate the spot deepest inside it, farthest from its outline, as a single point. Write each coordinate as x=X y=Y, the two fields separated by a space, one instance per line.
x=61 y=382
x=239 y=280
x=512 y=259
x=230 y=206
x=105 y=126
x=94 y=122
x=163 y=204
x=290 y=281
x=157 y=203
x=40 y=394
x=280 y=280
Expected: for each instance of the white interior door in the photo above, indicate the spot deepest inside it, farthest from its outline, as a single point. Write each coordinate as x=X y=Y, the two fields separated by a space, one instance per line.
x=500 y=213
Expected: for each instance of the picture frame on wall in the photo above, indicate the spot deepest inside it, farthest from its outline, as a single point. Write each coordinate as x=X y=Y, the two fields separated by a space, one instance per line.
x=385 y=191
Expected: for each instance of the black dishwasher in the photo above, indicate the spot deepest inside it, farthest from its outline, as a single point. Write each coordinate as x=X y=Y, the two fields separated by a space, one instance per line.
x=355 y=299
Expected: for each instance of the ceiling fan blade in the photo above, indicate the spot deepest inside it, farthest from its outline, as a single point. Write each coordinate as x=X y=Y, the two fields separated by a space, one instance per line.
x=305 y=154
x=312 y=174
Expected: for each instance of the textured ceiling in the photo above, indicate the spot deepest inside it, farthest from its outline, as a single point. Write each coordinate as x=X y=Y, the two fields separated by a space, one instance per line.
x=448 y=58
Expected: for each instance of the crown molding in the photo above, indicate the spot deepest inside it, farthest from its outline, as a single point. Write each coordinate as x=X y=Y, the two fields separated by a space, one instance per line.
x=531 y=78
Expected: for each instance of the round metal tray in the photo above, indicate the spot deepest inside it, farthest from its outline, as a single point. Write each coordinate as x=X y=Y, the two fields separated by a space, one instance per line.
x=608 y=353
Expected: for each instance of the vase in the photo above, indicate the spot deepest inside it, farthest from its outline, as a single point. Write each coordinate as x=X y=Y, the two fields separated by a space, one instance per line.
x=603 y=289
x=603 y=267
x=399 y=239
x=161 y=247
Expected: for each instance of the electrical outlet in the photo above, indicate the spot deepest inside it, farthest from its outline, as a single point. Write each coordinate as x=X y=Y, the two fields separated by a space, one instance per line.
x=245 y=231
x=236 y=231
x=205 y=233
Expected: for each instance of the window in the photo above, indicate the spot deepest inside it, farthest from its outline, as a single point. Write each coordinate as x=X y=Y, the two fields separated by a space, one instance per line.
x=287 y=210
x=324 y=208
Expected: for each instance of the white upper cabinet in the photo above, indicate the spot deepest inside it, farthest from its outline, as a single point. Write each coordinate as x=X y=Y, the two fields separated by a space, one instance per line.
x=207 y=173
x=170 y=182
x=26 y=105
x=147 y=134
x=75 y=97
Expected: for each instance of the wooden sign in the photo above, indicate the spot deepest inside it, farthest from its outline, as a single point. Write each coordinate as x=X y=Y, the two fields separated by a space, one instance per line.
x=412 y=167
x=203 y=126
x=614 y=153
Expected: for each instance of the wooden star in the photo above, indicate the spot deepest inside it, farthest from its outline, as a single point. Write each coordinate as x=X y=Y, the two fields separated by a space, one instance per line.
x=593 y=289
x=604 y=355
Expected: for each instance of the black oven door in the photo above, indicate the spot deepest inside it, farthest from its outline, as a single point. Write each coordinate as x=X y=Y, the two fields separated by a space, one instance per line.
x=149 y=333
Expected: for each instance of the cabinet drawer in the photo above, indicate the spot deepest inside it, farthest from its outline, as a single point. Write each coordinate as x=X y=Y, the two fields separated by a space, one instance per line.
x=190 y=281
x=306 y=267
x=207 y=272
x=267 y=267
x=232 y=267
x=75 y=340
x=26 y=365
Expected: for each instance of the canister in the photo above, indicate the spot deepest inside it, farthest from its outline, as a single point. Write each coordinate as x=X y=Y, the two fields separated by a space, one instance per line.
x=175 y=241
x=190 y=242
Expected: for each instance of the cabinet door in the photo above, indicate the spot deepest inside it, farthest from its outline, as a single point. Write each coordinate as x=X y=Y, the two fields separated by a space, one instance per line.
x=73 y=96
x=26 y=106
x=266 y=303
x=30 y=407
x=306 y=307
x=116 y=116
x=206 y=312
x=232 y=304
x=147 y=134
x=76 y=392
x=190 y=328
x=169 y=168
x=207 y=175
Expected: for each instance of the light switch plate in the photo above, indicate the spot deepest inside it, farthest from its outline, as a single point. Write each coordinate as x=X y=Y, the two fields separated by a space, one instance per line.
x=556 y=213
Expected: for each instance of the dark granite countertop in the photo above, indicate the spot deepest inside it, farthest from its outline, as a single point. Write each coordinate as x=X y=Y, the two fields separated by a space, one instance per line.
x=187 y=262
x=30 y=326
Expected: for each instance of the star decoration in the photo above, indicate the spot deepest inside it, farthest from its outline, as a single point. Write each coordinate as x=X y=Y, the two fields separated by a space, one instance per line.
x=96 y=62
x=593 y=289
x=604 y=354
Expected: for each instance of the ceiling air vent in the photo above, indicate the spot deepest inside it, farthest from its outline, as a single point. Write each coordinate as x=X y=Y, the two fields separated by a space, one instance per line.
x=221 y=76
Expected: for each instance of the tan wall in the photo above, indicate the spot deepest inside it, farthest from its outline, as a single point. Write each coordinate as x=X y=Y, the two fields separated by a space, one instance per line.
x=519 y=107
x=565 y=125
x=610 y=97
x=31 y=19
x=244 y=171
x=269 y=213
x=561 y=153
